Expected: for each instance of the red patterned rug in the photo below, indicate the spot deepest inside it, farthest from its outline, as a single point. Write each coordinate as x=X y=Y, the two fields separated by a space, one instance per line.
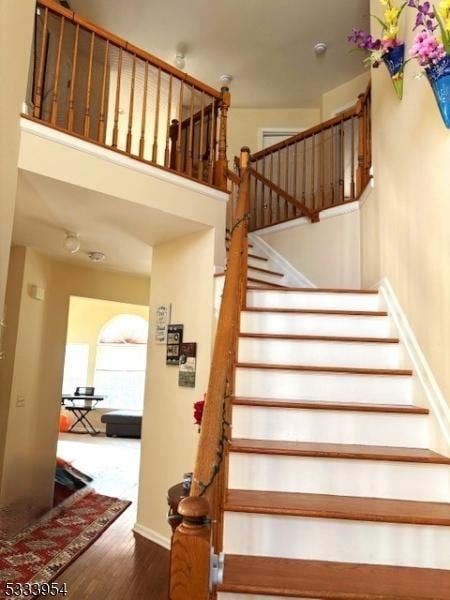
x=39 y=553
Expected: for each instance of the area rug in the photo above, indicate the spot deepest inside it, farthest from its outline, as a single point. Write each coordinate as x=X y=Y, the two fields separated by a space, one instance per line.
x=39 y=553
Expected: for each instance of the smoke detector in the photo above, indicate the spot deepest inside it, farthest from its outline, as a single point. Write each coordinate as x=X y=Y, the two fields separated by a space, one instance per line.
x=96 y=256
x=320 y=48
x=71 y=242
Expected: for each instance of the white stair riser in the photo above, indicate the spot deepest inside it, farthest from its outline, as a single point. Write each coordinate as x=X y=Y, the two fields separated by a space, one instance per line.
x=340 y=540
x=227 y=596
x=265 y=276
x=326 y=426
x=262 y=264
x=318 y=353
x=313 y=300
x=321 y=386
x=313 y=324
x=340 y=476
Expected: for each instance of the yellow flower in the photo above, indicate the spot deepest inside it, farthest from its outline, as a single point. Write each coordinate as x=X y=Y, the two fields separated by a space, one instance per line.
x=384 y=2
x=391 y=15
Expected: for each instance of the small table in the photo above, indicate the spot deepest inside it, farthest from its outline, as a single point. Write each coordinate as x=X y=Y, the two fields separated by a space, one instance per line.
x=81 y=412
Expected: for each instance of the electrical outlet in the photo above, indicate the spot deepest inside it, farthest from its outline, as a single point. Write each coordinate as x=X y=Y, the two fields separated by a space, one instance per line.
x=20 y=402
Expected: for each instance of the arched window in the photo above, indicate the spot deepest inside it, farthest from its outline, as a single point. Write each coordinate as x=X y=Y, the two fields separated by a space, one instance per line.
x=121 y=362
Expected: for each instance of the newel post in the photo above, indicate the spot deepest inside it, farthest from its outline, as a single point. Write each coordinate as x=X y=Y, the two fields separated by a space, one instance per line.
x=190 y=552
x=362 y=145
x=222 y=163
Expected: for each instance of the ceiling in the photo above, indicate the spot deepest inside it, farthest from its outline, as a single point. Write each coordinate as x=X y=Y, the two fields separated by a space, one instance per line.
x=267 y=45
x=47 y=208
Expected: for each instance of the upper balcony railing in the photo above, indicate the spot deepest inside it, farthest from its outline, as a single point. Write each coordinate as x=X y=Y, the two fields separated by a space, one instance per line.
x=90 y=83
x=324 y=166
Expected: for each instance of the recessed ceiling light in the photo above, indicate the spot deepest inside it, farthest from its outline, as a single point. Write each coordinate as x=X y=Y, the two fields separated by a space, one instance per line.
x=96 y=256
x=71 y=242
x=320 y=48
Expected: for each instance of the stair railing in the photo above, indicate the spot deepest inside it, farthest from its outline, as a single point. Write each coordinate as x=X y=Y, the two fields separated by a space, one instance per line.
x=92 y=84
x=197 y=543
x=324 y=166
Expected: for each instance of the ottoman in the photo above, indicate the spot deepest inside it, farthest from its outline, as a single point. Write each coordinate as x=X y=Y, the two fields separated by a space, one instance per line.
x=123 y=423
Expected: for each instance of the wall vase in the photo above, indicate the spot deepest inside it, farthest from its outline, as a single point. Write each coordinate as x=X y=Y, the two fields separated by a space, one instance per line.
x=394 y=59
x=439 y=78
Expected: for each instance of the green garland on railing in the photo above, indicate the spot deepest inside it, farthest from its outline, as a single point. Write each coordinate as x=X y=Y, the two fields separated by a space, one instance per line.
x=220 y=452
x=245 y=217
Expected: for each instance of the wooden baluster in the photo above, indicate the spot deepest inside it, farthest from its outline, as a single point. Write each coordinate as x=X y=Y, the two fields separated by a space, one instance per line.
x=361 y=146
x=131 y=107
x=115 y=135
x=174 y=127
x=191 y=550
x=102 y=118
x=222 y=163
x=286 y=183
x=38 y=93
x=144 y=113
x=190 y=137
x=71 y=111
x=294 y=187
x=270 y=192
x=212 y=134
x=313 y=173
x=332 y=166
x=352 y=162
x=263 y=197
x=180 y=124
x=278 y=183
x=201 y=148
x=244 y=192
x=304 y=173
x=167 y=151
x=54 y=110
x=322 y=169
x=341 y=162
x=87 y=109
x=156 y=128
x=254 y=200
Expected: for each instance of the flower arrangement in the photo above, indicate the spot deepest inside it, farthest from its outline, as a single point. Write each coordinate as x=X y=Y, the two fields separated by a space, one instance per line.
x=431 y=49
x=198 y=411
x=388 y=48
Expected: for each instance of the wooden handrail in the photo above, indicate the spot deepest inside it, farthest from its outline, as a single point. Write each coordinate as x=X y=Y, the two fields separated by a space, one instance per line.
x=203 y=511
x=299 y=137
x=70 y=15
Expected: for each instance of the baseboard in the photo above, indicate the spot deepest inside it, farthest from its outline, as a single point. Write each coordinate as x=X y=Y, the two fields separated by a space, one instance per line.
x=151 y=535
x=433 y=393
x=293 y=277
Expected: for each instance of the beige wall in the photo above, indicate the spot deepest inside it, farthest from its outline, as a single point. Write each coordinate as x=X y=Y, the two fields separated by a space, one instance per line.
x=16 y=24
x=245 y=125
x=405 y=223
x=181 y=275
x=342 y=97
x=327 y=253
x=31 y=377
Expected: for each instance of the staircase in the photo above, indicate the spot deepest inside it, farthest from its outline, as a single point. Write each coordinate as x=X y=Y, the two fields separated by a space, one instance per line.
x=332 y=491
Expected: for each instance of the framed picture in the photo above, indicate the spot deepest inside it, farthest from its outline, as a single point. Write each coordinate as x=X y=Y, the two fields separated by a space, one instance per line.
x=174 y=339
x=162 y=321
x=188 y=364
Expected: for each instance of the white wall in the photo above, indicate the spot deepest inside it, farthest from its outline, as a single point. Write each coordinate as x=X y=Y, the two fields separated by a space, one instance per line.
x=181 y=275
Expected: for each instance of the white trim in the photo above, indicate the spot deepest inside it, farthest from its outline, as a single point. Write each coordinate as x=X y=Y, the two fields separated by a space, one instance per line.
x=151 y=535
x=293 y=277
x=431 y=389
x=48 y=133
x=328 y=213
x=288 y=131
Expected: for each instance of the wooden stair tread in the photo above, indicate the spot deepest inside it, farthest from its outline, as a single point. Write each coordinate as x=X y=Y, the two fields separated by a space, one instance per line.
x=338 y=507
x=324 y=369
x=344 y=406
x=320 y=338
x=315 y=311
x=257 y=257
x=327 y=450
x=332 y=580
x=267 y=271
x=266 y=283
x=331 y=290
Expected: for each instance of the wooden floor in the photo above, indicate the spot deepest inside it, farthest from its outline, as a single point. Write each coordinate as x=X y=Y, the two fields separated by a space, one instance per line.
x=121 y=564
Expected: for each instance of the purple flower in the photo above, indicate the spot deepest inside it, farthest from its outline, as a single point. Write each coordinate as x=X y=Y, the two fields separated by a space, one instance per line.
x=364 y=41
